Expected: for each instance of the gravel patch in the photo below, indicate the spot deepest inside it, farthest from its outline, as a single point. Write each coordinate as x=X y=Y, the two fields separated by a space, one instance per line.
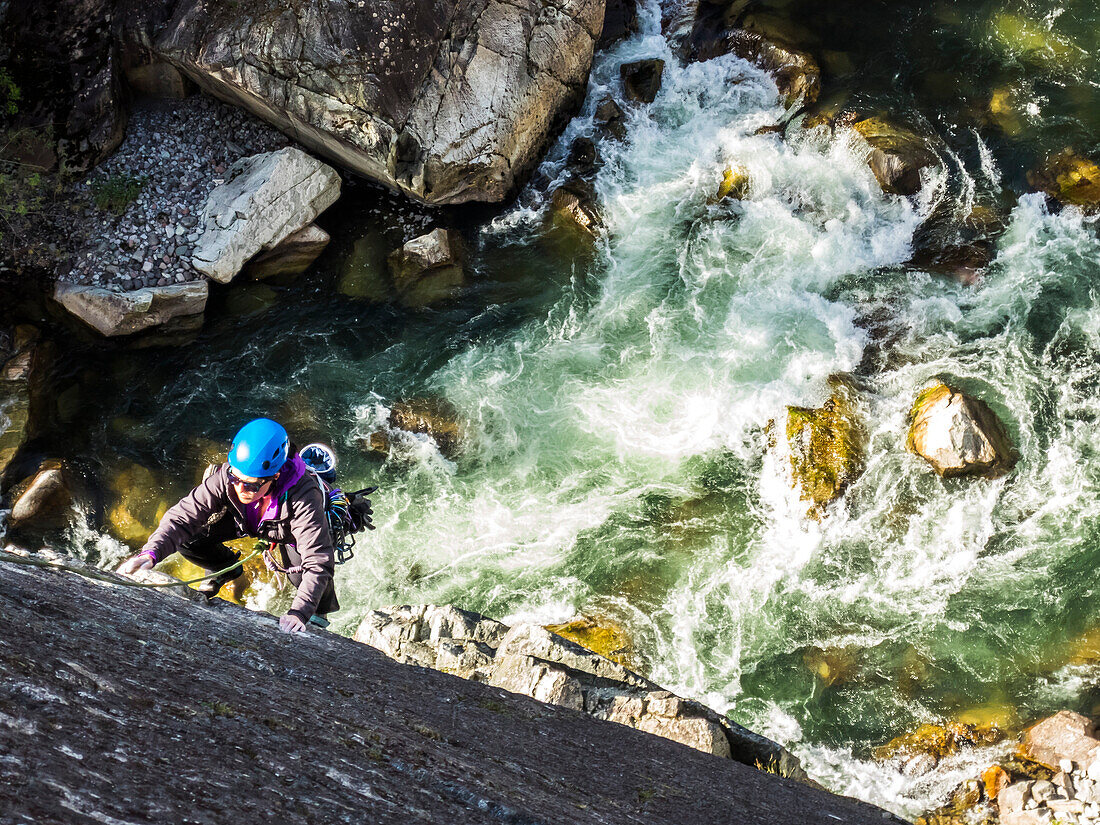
x=175 y=152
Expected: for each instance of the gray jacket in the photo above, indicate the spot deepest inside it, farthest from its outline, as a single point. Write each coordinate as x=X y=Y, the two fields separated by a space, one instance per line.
x=300 y=525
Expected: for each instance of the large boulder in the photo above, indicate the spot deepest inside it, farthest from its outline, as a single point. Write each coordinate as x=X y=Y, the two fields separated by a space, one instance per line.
x=264 y=200
x=448 y=101
x=531 y=660
x=896 y=155
x=827 y=446
x=428 y=269
x=113 y=313
x=958 y=435
x=1066 y=735
x=1069 y=179
x=642 y=79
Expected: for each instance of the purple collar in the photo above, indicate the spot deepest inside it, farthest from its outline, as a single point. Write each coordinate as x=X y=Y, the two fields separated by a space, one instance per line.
x=291 y=473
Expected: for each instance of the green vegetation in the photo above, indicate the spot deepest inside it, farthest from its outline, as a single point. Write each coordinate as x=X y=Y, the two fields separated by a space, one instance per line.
x=115 y=192
x=10 y=93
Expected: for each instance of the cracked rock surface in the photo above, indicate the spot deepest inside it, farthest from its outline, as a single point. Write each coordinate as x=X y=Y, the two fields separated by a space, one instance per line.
x=127 y=705
x=446 y=100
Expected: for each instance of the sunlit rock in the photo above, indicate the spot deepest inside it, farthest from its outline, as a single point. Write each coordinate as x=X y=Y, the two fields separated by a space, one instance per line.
x=735 y=183
x=265 y=199
x=958 y=435
x=429 y=268
x=124 y=313
x=827 y=446
x=966 y=806
x=928 y=744
x=531 y=660
x=291 y=256
x=994 y=779
x=1069 y=179
x=642 y=79
x=1066 y=735
x=896 y=155
x=600 y=635
x=43 y=500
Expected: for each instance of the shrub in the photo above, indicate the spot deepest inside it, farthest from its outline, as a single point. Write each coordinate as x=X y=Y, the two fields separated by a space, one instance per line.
x=116 y=192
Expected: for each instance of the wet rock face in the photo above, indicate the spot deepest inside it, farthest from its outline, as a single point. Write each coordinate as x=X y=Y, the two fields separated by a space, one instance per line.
x=896 y=155
x=129 y=705
x=958 y=435
x=531 y=660
x=448 y=101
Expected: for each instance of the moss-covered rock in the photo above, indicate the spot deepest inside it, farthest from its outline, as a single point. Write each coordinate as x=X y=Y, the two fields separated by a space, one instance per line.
x=827 y=446
x=1069 y=179
x=896 y=155
x=958 y=435
x=735 y=183
x=600 y=635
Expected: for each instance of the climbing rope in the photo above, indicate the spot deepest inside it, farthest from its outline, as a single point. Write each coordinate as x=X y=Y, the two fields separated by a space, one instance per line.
x=113 y=578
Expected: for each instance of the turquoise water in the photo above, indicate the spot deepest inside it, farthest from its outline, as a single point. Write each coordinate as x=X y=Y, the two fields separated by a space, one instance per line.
x=617 y=459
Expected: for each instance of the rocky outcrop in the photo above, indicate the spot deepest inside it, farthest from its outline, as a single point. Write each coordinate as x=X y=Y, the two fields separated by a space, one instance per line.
x=1069 y=179
x=895 y=155
x=112 y=313
x=448 y=101
x=428 y=269
x=264 y=200
x=1053 y=776
x=122 y=704
x=531 y=660
x=958 y=435
x=291 y=256
x=827 y=446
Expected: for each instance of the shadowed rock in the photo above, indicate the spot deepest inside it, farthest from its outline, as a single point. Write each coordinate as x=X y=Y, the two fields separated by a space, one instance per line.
x=642 y=79
x=132 y=705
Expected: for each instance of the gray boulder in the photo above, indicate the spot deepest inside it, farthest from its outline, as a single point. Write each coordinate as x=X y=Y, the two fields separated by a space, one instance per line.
x=530 y=660
x=124 y=313
x=43 y=501
x=264 y=200
x=446 y=100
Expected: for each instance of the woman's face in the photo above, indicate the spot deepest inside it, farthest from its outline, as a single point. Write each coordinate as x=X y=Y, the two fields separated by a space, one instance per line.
x=248 y=489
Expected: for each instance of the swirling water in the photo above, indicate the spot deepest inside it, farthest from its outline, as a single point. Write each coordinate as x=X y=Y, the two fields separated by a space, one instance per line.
x=618 y=454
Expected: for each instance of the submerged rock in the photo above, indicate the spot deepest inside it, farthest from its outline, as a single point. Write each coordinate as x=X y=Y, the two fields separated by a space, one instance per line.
x=642 y=79
x=265 y=199
x=365 y=273
x=796 y=73
x=428 y=269
x=44 y=499
x=827 y=446
x=113 y=313
x=136 y=503
x=291 y=256
x=531 y=660
x=601 y=636
x=1069 y=179
x=434 y=417
x=896 y=155
x=958 y=435
x=448 y=101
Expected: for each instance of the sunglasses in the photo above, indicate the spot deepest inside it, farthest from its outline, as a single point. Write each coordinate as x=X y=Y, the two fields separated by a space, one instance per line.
x=249 y=486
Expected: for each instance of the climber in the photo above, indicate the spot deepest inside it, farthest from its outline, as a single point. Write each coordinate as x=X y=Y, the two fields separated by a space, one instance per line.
x=264 y=490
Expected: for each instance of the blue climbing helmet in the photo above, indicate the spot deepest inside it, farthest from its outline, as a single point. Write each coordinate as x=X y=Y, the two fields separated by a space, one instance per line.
x=260 y=448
